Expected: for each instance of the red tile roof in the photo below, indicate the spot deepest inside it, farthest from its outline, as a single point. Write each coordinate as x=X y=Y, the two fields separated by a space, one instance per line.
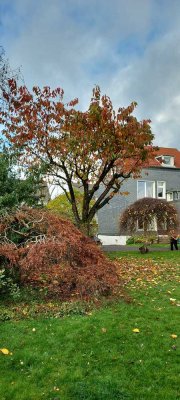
x=165 y=151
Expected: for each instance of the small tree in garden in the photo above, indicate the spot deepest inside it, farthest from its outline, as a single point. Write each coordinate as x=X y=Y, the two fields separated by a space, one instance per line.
x=146 y=211
x=62 y=207
x=97 y=147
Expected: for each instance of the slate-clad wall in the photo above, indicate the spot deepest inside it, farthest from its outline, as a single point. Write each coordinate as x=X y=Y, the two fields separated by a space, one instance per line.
x=108 y=216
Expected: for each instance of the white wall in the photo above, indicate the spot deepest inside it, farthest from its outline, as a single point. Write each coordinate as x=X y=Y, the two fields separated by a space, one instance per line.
x=108 y=240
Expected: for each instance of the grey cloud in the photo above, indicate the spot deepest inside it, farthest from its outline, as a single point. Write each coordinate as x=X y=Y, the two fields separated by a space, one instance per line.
x=76 y=44
x=154 y=82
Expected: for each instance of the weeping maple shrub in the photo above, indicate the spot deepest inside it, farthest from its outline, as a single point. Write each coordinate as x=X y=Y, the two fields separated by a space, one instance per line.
x=51 y=253
x=145 y=211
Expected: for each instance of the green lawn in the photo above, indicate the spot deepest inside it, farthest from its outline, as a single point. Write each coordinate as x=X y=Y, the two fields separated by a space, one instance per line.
x=97 y=356
x=153 y=245
x=173 y=256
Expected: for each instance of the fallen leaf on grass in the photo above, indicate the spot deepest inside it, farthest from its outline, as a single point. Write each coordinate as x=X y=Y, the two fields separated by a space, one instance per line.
x=138 y=273
x=104 y=330
x=5 y=352
x=174 y=336
x=136 y=330
x=56 y=389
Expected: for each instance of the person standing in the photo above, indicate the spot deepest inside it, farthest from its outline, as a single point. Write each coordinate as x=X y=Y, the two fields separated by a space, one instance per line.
x=173 y=240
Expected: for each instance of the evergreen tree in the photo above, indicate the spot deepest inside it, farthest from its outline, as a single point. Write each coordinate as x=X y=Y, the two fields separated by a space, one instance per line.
x=17 y=188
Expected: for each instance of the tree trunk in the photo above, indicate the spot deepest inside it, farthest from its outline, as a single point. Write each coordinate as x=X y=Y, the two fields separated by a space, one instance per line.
x=85 y=228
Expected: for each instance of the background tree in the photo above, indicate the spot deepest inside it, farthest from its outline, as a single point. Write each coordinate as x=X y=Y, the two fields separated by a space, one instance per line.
x=61 y=206
x=96 y=148
x=6 y=73
x=144 y=211
x=14 y=190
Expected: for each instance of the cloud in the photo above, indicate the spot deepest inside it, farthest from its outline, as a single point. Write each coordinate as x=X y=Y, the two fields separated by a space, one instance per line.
x=130 y=48
x=154 y=82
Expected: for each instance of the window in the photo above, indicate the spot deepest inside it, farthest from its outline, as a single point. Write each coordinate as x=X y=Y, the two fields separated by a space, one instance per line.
x=140 y=226
x=167 y=160
x=176 y=195
x=161 y=190
x=145 y=189
x=170 y=196
x=164 y=226
x=152 y=226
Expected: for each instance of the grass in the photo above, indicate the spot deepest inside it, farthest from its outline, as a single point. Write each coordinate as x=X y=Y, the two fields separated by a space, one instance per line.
x=96 y=355
x=153 y=245
x=152 y=255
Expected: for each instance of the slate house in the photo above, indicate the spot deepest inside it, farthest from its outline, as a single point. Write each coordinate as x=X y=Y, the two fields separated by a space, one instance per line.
x=160 y=179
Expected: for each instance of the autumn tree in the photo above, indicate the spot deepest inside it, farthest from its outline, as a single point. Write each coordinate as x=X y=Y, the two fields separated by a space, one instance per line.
x=146 y=211
x=97 y=148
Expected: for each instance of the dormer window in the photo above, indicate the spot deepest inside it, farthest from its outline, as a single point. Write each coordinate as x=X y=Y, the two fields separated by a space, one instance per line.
x=168 y=160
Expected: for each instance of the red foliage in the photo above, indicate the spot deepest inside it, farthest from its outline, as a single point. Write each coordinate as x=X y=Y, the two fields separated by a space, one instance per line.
x=52 y=253
x=147 y=208
x=9 y=255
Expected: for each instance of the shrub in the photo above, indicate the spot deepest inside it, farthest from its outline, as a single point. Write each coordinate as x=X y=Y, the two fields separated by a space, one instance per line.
x=7 y=285
x=51 y=253
x=6 y=314
x=130 y=240
x=146 y=211
x=148 y=239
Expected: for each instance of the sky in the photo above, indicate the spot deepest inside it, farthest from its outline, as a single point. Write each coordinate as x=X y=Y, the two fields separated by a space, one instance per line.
x=130 y=48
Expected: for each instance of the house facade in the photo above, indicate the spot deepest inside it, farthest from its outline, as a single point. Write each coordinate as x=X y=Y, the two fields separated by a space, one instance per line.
x=160 y=179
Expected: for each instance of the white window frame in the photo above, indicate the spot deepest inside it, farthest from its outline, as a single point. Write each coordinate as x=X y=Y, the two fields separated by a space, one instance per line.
x=145 y=190
x=169 y=196
x=152 y=226
x=138 y=228
x=161 y=184
x=168 y=161
x=177 y=195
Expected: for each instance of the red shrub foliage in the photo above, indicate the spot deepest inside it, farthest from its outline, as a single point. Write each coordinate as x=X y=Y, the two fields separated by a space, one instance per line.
x=52 y=253
x=144 y=210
